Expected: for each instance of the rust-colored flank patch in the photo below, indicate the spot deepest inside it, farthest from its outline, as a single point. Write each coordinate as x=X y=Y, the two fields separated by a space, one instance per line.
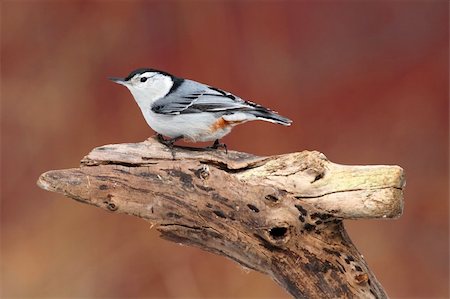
x=222 y=124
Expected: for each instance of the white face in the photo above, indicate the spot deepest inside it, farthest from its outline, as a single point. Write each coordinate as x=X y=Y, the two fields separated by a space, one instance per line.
x=148 y=87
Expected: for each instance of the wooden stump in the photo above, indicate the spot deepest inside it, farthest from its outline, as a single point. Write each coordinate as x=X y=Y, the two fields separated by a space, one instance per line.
x=279 y=215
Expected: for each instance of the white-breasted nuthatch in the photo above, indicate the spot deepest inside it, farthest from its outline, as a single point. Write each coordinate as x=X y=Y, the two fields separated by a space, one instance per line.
x=181 y=108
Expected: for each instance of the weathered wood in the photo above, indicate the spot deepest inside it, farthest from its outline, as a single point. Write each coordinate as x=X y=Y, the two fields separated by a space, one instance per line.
x=280 y=215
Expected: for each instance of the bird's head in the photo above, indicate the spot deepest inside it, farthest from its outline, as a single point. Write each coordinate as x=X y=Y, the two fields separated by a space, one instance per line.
x=147 y=85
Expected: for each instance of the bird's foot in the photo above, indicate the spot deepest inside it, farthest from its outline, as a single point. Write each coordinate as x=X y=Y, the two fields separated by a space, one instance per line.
x=217 y=145
x=168 y=142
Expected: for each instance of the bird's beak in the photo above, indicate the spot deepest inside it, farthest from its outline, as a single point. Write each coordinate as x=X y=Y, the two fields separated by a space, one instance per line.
x=118 y=80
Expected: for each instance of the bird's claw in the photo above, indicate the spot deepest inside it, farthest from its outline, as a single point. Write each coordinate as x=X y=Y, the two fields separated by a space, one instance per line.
x=167 y=142
x=217 y=145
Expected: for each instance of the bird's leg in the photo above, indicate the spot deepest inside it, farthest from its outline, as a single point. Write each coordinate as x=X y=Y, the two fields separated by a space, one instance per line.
x=168 y=142
x=217 y=145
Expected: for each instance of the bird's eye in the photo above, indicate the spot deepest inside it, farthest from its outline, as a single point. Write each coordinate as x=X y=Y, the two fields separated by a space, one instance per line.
x=143 y=79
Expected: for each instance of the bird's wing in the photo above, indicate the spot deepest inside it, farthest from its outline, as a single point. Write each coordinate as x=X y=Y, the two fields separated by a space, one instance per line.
x=195 y=97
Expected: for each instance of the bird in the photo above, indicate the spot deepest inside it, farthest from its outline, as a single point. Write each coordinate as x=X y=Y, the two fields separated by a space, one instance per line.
x=185 y=109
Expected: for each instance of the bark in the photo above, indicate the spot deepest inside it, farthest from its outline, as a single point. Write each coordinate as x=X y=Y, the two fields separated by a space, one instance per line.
x=280 y=215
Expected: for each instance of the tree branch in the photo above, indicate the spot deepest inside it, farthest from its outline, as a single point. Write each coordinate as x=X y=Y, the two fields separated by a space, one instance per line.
x=280 y=215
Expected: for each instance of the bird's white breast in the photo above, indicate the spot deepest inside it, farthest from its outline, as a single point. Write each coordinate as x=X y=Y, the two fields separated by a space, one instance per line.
x=192 y=126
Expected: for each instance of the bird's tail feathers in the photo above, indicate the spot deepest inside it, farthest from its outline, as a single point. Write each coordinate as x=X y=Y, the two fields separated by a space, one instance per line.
x=272 y=117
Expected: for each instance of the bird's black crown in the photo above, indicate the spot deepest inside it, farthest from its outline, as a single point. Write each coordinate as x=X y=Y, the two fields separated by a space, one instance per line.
x=144 y=70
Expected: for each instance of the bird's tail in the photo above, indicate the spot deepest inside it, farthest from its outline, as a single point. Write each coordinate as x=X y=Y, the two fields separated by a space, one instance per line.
x=271 y=116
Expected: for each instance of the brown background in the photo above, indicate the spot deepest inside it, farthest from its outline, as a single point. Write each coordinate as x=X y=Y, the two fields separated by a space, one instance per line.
x=365 y=83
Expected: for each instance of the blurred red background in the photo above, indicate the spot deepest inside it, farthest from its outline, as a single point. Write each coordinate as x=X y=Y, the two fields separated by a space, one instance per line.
x=365 y=83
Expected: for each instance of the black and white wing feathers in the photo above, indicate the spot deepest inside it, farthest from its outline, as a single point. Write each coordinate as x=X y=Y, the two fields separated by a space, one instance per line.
x=194 y=97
